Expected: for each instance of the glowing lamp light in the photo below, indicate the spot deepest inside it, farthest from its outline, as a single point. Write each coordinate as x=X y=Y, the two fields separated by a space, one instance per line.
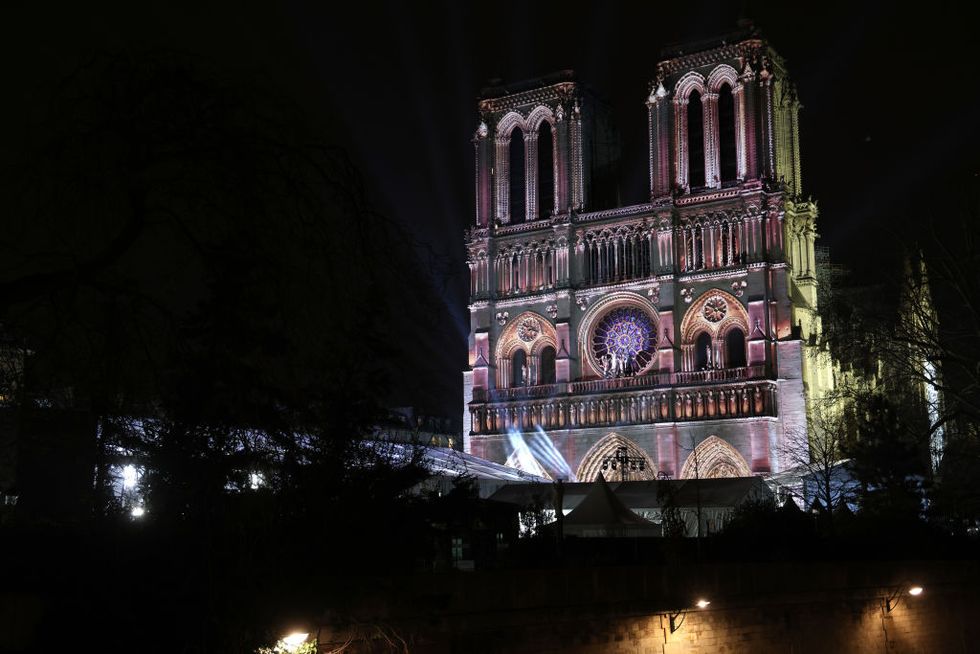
x=702 y=603
x=129 y=477
x=138 y=512
x=292 y=642
x=896 y=596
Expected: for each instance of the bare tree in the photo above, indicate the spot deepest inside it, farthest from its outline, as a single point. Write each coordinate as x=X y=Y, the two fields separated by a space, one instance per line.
x=817 y=456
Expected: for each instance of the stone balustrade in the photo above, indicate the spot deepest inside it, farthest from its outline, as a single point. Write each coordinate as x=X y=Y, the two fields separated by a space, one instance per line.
x=558 y=406
x=591 y=386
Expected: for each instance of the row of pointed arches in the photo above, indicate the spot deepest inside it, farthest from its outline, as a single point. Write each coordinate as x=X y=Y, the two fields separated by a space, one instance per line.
x=712 y=458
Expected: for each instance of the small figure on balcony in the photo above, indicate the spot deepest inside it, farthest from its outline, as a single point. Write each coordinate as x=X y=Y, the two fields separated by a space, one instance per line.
x=526 y=373
x=604 y=362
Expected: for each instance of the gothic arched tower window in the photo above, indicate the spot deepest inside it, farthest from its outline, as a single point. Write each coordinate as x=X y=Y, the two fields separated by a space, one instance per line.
x=518 y=369
x=695 y=141
x=735 y=348
x=547 y=365
x=518 y=194
x=726 y=134
x=546 y=170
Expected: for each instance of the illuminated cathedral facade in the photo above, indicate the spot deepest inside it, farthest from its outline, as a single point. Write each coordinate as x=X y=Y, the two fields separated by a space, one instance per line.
x=675 y=331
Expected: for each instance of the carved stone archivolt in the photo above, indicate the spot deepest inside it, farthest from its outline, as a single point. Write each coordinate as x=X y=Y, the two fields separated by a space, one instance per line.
x=604 y=449
x=527 y=331
x=713 y=458
x=714 y=312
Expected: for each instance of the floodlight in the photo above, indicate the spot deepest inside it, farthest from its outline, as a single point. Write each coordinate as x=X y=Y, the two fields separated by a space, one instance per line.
x=292 y=642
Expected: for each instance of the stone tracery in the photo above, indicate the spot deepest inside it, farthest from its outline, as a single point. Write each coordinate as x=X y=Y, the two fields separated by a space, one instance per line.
x=624 y=323
x=709 y=320
x=529 y=333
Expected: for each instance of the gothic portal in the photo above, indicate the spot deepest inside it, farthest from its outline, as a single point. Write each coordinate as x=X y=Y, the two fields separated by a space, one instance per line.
x=677 y=328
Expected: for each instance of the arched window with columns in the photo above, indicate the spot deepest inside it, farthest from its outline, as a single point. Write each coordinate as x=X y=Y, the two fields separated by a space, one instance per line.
x=704 y=328
x=695 y=141
x=518 y=194
x=725 y=116
x=524 y=342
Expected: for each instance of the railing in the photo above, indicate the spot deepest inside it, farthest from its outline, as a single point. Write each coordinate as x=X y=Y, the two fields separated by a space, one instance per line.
x=604 y=385
x=632 y=406
x=591 y=386
x=720 y=374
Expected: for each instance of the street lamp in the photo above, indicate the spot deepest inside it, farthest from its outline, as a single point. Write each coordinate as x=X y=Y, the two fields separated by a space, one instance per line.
x=621 y=457
x=893 y=600
x=677 y=618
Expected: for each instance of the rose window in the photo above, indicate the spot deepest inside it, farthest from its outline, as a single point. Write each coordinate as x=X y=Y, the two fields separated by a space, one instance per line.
x=715 y=309
x=528 y=329
x=624 y=341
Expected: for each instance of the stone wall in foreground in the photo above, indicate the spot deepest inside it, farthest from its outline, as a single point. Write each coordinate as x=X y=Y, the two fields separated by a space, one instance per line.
x=760 y=608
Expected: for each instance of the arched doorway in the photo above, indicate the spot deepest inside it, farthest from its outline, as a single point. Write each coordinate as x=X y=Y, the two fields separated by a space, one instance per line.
x=713 y=458
x=605 y=449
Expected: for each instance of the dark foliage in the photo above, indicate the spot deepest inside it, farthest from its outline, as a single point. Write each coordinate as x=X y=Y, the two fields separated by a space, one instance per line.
x=189 y=269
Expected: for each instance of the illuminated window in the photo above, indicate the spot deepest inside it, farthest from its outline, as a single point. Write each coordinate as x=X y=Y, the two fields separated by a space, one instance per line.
x=623 y=341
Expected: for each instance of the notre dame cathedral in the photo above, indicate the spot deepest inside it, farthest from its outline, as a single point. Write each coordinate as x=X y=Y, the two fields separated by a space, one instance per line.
x=676 y=331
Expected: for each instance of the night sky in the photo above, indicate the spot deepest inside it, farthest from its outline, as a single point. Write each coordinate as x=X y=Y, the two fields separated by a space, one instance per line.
x=889 y=123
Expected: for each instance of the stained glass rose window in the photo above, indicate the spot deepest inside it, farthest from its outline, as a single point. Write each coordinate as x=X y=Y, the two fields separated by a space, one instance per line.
x=627 y=336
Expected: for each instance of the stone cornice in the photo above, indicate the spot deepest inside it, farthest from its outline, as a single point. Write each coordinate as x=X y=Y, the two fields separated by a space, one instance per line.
x=724 y=273
x=619 y=212
x=559 y=91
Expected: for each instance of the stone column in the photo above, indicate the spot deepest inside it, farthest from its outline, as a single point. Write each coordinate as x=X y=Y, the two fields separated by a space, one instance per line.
x=712 y=169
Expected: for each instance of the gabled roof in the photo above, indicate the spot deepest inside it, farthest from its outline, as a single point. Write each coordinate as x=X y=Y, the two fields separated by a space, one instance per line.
x=602 y=507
